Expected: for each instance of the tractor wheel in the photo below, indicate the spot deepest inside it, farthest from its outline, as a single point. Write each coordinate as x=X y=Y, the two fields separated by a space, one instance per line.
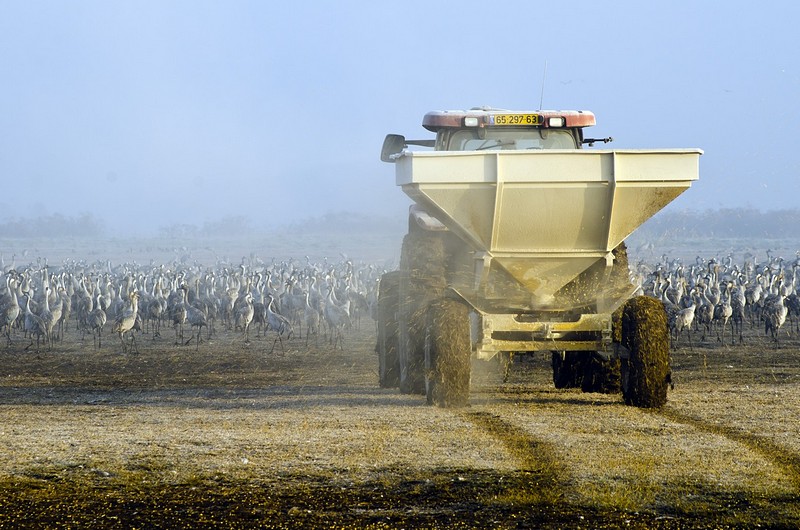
x=568 y=371
x=447 y=354
x=411 y=354
x=600 y=376
x=388 y=300
x=422 y=280
x=410 y=342
x=646 y=372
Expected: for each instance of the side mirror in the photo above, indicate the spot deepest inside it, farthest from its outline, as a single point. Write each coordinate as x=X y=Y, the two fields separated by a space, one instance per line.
x=392 y=145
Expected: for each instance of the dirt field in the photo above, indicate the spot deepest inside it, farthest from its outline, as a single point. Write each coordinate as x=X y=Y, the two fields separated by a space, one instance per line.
x=233 y=436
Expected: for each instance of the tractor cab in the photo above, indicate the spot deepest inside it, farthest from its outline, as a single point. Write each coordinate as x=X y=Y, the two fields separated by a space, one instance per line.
x=489 y=129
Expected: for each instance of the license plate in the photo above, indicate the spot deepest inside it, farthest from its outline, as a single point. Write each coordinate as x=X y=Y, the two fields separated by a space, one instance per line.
x=515 y=119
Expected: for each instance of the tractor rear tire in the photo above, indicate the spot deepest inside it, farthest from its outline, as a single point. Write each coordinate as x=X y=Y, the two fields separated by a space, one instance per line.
x=447 y=354
x=422 y=281
x=600 y=376
x=645 y=334
x=585 y=370
x=388 y=301
x=411 y=356
x=568 y=372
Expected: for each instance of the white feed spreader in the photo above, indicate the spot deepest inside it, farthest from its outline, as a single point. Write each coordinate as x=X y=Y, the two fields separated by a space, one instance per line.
x=516 y=239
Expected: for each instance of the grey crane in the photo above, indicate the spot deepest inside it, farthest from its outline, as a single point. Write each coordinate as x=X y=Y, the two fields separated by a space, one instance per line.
x=244 y=316
x=95 y=321
x=195 y=317
x=704 y=313
x=176 y=307
x=9 y=308
x=723 y=312
x=126 y=321
x=311 y=318
x=775 y=316
x=278 y=323
x=48 y=319
x=337 y=318
x=33 y=323
x=684 y=318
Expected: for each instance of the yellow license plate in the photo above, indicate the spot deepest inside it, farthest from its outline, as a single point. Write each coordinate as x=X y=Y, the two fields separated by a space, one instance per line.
x=515 y=119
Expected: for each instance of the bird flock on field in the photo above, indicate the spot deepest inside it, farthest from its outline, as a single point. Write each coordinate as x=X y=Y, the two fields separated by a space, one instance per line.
x=718 y=297
x=279 y=300
x=705 y=299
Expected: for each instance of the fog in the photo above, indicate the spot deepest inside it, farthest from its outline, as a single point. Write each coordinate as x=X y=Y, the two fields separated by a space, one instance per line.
x=149 y=115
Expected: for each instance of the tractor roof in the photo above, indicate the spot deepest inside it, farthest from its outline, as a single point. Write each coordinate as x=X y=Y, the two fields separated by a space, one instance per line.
x=491 y=117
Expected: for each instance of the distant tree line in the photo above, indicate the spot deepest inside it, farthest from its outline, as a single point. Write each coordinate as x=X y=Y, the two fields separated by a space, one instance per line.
x=348 y=222
x=235 y=225
x=723 y=223
x=329 y=223
x=56 y=225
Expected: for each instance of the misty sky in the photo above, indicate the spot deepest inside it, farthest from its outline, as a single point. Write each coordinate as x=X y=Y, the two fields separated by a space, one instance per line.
x=148 y=113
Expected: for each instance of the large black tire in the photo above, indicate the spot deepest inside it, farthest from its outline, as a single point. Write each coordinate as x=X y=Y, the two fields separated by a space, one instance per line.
x=447 y=354
x=600 y=376
x=388 y=301
x=587 y=371
x=411 y=352
x=568 y=372
x=645 y=334
x=422 y=281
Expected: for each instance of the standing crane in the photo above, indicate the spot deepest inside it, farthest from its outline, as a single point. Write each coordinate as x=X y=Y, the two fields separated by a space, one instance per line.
x=337 y=318
x=33 y=324
x=48 y=319
x=738 y=307
x=723 y=312
x=96 y=320
x=704 y=312
x=278 y=323
x=244 y=316
x=9 y=308
x=683 y=320
x=311 y=318
x=194 y=316
x=775 y=316
x=126 y=321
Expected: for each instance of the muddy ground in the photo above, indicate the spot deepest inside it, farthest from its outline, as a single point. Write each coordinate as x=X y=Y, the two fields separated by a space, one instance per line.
x=232 y=435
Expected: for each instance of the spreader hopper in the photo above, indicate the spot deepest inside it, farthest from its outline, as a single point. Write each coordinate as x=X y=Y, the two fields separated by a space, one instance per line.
x=544 y=216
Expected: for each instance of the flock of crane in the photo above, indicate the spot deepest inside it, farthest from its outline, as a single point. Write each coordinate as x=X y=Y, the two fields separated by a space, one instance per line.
x=719 y=296
x=302 y=299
